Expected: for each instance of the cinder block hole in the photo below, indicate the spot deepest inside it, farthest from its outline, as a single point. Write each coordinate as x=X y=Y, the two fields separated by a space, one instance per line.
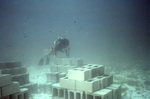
x=66 y=94
x=78 y=96
x=26 y=95
x=61 y=93
x=19 y=96
x=90 y=80
x=106 y=75
x=99 y=97
x=90 y=97
x=71 y=95
x=66 y=78
x=95 y=66
x=99 y=77
x=55 y=92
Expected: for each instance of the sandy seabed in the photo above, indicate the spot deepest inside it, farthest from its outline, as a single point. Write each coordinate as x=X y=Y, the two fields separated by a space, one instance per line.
x=135 y=82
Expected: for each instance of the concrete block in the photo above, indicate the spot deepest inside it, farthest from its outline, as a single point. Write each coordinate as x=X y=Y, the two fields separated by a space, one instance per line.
x=116 y=90
x=13 y=64
x=6 y=97
x=66 y=61
x=103 y=94
x=45 y=88
x=21 y=78
x=61 y=75
x=79 y=74
x=98 y=69
x=58 y=92
x=89 y=96
x=41 y=88
x=32 y=87
x=103 y=81
x=5 y=71
x=54 y=68
x=49 y=77
x=55 y=77
x=5 y=79
x=75 y=94
x=2 y=65
x=80 y=85
x=67 y=83
x=14 y=71
x=0 y=93
x=91 y=85
x=58 y=61
x=77 y=62
x=48 y=88
x=10 y=89
x=109 y=77
x=23 y=94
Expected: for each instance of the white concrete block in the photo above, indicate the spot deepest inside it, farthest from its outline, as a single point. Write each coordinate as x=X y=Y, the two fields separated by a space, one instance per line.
x=116 y=90
x=98 y=69
x=79 y=74
x=103 y=94
x=5 y=79
x=67 y=83
x=109 y=77
x=80 y=85
x=61 y=75
x=91 y=85
x=103 y=81
x=10 y=89
x=75 y=94
x=58 y=92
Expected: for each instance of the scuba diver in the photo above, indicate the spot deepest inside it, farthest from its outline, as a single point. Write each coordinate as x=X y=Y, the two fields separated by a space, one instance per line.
x=60 y=45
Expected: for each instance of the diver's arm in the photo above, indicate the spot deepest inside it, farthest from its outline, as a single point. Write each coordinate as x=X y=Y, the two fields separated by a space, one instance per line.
x=50 y=52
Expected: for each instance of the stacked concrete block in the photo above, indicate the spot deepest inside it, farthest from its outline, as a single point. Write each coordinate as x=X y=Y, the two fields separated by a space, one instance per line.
x=58 y=92
x=11 y=90
x=76 y=62
x=45 y=88
x=103 y=94
x=22 y=94
x=82 y=83
x=116 y=90
x=18 y=74
x=81 y=74
x=75 y=94
x=67 y=83
x=5 y=79
x=31 y=86
x=54 y=77
x=14 y=71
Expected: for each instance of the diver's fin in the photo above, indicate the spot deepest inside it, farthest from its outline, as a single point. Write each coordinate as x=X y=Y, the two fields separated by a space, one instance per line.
x=47 y=60
x=41 y=62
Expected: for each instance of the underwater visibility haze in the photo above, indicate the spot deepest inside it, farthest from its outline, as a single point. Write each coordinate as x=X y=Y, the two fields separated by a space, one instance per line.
x=114 y=33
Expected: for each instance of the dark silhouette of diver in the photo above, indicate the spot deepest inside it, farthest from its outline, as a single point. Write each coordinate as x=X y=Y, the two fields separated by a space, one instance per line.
x=60 y=45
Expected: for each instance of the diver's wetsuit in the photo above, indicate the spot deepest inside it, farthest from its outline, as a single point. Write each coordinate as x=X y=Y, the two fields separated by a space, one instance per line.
x=61 y=44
